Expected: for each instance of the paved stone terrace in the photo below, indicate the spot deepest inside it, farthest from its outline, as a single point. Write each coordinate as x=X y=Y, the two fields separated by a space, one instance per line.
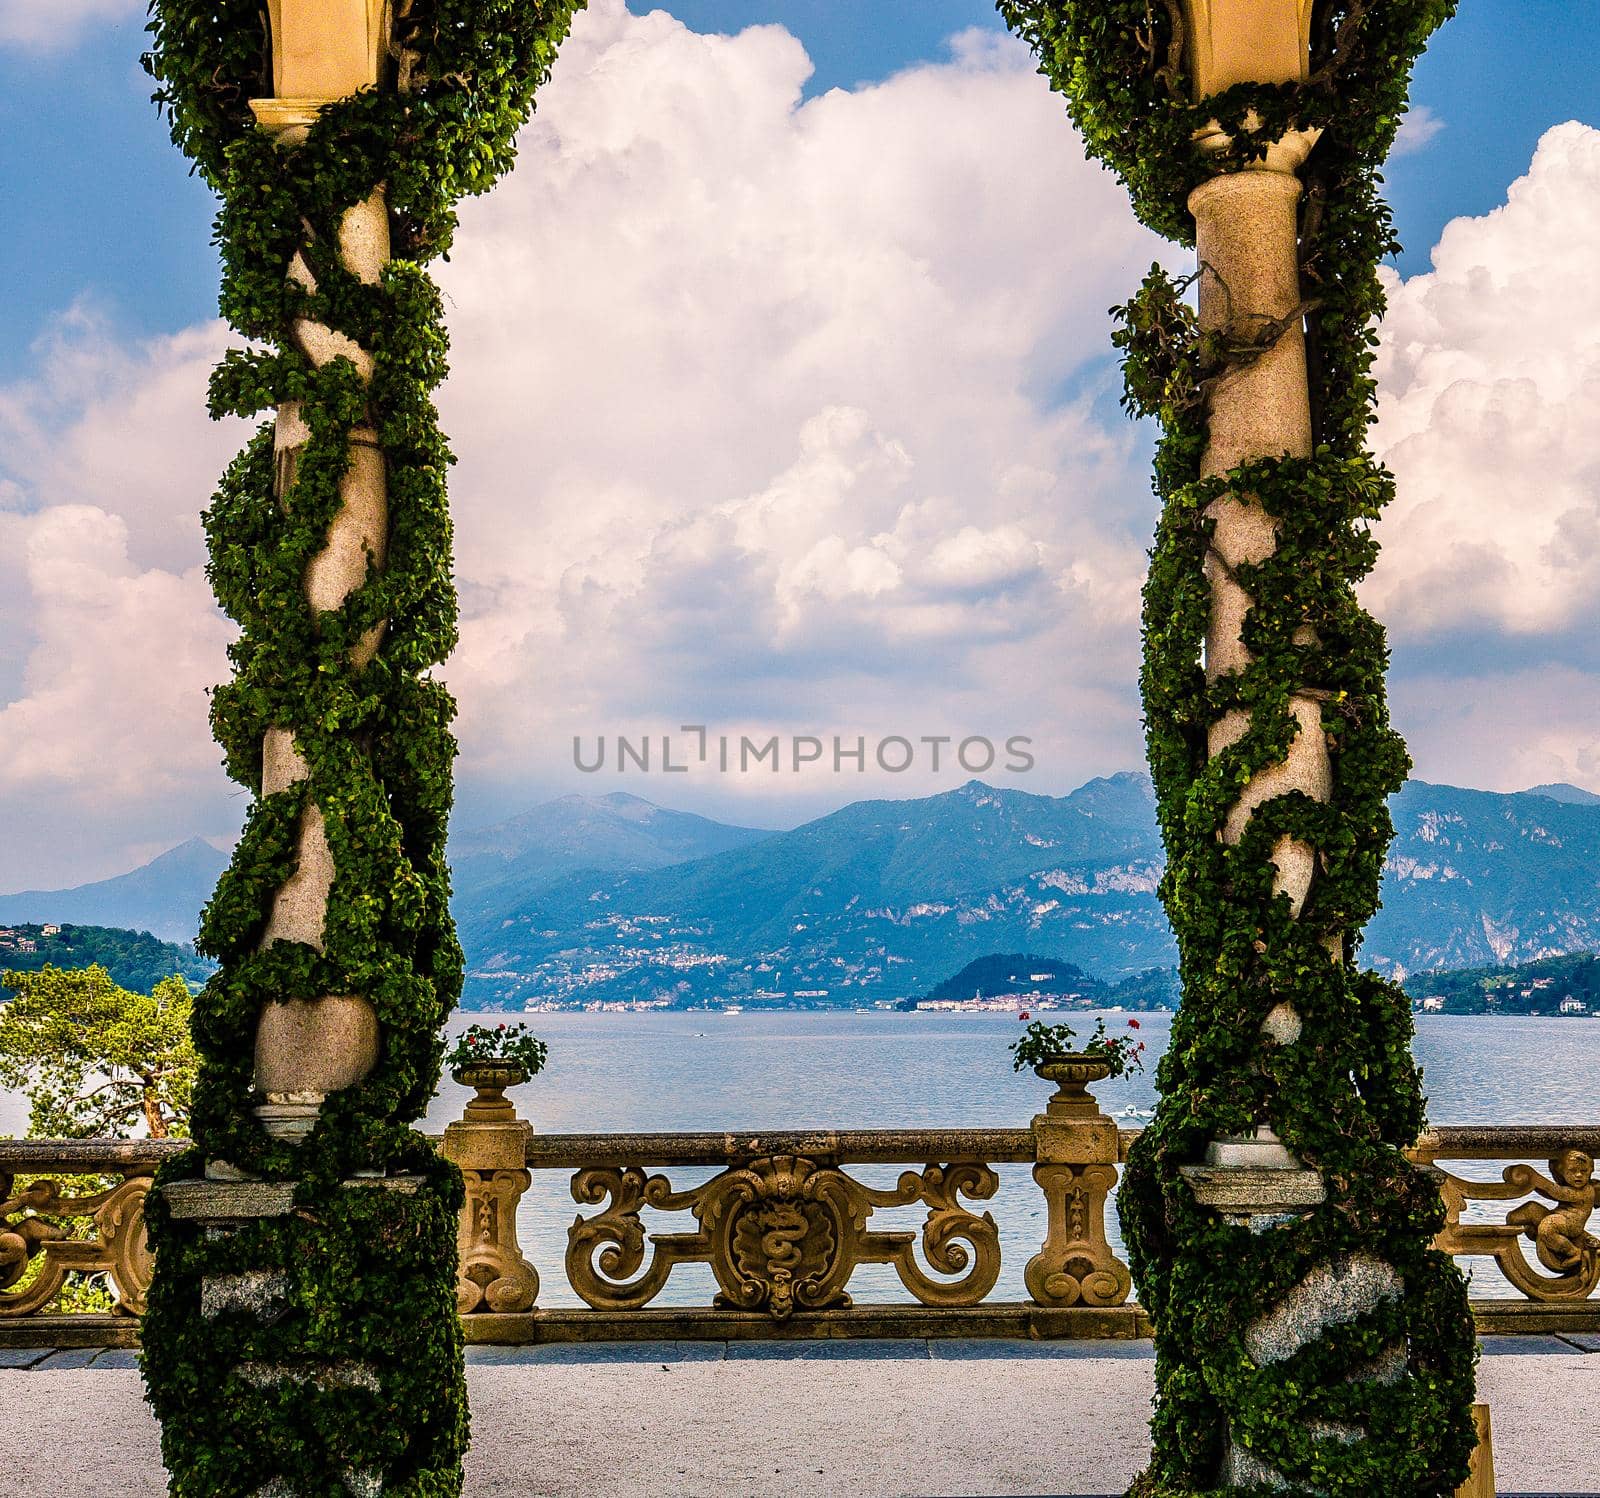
x=804 y=1420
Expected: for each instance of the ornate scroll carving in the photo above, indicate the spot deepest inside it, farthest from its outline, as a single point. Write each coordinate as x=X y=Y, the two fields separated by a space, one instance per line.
x=605 y=1252
x=493 y=1275
x=1559 y=1233
x=953 y=1238
x=782 y=1234
x=116 y=1246
x=1076 y=1265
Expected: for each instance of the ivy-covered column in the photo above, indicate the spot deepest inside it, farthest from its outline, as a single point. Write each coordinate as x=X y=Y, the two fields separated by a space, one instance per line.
x=1309 y=1338
x=302 y=1335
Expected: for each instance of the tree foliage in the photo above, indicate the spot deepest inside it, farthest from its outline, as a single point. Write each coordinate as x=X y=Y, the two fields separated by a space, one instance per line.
x=1346 y=1096
x=96 y=1059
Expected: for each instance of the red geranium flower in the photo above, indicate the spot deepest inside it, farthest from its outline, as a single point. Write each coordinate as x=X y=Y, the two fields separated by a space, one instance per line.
x=1133 y=1024
x=1023 y=1015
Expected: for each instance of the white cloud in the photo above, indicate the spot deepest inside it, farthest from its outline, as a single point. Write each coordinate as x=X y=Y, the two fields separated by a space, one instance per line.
x=776 y=415
x=760 y=417
x=1417 y=129
x=105 y=746
x=114 y=700
x=1489 y=416
x=757 y=401
x=55 y=25
x=111 y=639
x=1489 y=410
x=120 y=425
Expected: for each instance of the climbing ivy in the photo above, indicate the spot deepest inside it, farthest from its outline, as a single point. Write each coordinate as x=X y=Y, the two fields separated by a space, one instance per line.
x=369 y=1273
x=1346 y=1096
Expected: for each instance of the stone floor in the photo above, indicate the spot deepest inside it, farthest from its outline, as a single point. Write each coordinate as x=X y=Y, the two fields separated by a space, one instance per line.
x=838 y=1419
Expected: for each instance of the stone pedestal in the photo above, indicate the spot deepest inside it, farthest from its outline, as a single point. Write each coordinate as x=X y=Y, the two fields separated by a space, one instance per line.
x=1258 y=1184
x=490 y=1147
x=255 y=1266
x=1076 y=1147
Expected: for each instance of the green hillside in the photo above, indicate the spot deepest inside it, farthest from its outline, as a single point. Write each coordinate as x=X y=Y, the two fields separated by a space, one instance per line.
x=1014 y=973
x=135 y=959
x=1541 y=987
x=1004 y=975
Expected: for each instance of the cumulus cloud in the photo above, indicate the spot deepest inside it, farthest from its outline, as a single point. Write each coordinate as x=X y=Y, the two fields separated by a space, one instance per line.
x=122 y=425
x=786 y=415
x=1489 y=405
x=758 y=400
x=54 y=25
x=761 y=416
x=111 y=638
x=122 y=656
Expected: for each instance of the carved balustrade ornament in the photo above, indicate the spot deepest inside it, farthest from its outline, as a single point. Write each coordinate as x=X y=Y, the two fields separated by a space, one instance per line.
x=114 y=1247
x=782 y=1234
x=1558 y=1233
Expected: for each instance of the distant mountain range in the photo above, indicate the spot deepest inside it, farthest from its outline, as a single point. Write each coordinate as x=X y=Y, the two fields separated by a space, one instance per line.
x=162 y=897
x=496 y=867
x=877 y=900
x=614 y=900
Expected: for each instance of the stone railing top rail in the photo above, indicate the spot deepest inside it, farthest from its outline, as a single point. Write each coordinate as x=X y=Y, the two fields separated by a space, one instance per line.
x=999 y=1146
x=87 y=1156
x=857 y=1146
x=1504 y=1141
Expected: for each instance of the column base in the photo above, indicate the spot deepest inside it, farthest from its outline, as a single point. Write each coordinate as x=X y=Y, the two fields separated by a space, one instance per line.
x=288 y=1121
x=1254 y=1182
x=284 y=1313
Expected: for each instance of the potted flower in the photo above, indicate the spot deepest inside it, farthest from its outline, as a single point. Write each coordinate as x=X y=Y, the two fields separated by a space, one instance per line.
x=1041 y=1045
x=1051 y=1052
x=492 y=1058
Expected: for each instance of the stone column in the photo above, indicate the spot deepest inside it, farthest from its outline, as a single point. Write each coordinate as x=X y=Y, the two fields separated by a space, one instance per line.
x=306 y=1049
x=1247 y=241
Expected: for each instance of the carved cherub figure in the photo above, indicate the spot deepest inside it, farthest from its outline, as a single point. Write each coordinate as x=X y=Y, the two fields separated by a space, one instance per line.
x=1559 y=1233
x=21 y=1240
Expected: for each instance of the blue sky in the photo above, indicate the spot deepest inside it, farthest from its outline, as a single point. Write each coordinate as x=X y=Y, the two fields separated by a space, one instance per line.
x=81 y=131
x=784 y=401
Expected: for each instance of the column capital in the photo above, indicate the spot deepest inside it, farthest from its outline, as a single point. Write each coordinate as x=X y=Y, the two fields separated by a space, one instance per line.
x=322 y=51
x=1247 y=41
x=1250 y=41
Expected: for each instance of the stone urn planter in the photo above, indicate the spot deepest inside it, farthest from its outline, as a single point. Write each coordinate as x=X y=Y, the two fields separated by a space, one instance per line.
x=490 y=1080
x=1072 y=1072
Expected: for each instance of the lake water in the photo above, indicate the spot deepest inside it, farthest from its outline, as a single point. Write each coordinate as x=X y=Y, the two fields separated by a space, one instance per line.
x=644 y=1072
x=658 y=1071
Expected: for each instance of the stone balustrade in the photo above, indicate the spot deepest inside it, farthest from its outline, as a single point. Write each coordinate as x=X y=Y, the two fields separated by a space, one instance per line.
x=784 y=1220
